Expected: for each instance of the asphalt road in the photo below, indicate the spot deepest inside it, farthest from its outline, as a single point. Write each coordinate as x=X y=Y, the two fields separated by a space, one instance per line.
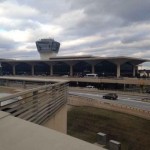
x=132 y=101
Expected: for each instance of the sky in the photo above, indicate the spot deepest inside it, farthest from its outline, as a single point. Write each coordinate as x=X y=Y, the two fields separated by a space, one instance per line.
x=83 y=27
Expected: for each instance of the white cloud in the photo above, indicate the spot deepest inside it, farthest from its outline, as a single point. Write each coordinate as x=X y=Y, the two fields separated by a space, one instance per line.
x=99 y=27
x=80 y=41
x=13 y=9
x=16 y=35
x=70 y=19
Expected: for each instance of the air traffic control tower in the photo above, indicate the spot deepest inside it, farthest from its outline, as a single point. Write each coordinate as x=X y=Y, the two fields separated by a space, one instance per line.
x=47 y=48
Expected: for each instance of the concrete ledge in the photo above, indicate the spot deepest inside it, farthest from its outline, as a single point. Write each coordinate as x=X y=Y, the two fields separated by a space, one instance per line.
x=3 y=114
x=18 y=134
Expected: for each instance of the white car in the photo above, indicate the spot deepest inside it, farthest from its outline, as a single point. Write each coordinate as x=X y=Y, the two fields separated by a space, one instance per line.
x=90 y=86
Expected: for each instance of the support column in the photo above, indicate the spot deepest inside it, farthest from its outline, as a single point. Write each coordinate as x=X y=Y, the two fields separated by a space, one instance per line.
x=1 y=72
x=14 y=70
x=24 y=84
x=7 y=82
x=124 y=87
x=134 y=68
x=32 y=70
x=71 y=70
x=118 y=70
x=93 y=69
x=51 y=70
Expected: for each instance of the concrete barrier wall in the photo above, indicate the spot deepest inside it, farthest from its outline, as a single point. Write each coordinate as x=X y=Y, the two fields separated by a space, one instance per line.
x=82 y=101
x=97 y=91
x=135 y=81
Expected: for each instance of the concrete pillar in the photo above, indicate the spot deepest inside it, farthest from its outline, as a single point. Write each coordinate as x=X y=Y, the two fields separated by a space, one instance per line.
x=93 y=69
x=71 y=70
x=58 y=121
x=124 y=87
x=118 y=70
x=7 y=82
x=14 y=70
x=24 y=84
x=32 y=70
x=51 y=70
x=101 y=138
x=114 y=145
x=134 y=68
x=1 y=72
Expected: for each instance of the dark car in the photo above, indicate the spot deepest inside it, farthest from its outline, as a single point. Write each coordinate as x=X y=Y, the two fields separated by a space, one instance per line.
x=145 y=99
x=147 y=91
x=112 y=96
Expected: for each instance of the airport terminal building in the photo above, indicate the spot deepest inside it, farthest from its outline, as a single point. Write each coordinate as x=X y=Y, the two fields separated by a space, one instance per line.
x=74 y=66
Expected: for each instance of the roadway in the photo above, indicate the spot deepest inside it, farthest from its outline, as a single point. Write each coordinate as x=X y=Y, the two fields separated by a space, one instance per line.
x=128 y=100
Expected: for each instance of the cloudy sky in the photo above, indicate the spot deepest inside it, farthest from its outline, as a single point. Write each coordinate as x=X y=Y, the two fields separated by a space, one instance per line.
x=89 y=27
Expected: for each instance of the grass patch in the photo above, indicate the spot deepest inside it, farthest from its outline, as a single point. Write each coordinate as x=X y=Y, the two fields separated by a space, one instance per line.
x=133 y=132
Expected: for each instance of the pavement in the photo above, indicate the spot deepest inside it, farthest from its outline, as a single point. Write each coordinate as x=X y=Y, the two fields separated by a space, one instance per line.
x=130 y=100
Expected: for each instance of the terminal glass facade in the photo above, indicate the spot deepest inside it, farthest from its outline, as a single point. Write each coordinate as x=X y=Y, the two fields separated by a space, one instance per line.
x=106 y=68
x=81 y=69
x=7 y=69
x=23 y=69
x=41 y=69
x=61 y=68
x=126 y=70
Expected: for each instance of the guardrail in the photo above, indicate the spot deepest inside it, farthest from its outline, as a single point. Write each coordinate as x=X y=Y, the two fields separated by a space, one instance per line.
x=37 y=104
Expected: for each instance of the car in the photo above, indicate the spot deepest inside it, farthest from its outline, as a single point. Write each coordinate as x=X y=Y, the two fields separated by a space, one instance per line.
x=89 y=86
x=112 y=96
x=145 y=99
x=147 y=91
x=93 y=75
x=65 y=75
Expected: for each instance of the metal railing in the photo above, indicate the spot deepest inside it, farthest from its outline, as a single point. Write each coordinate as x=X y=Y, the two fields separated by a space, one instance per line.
x=38 y=104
